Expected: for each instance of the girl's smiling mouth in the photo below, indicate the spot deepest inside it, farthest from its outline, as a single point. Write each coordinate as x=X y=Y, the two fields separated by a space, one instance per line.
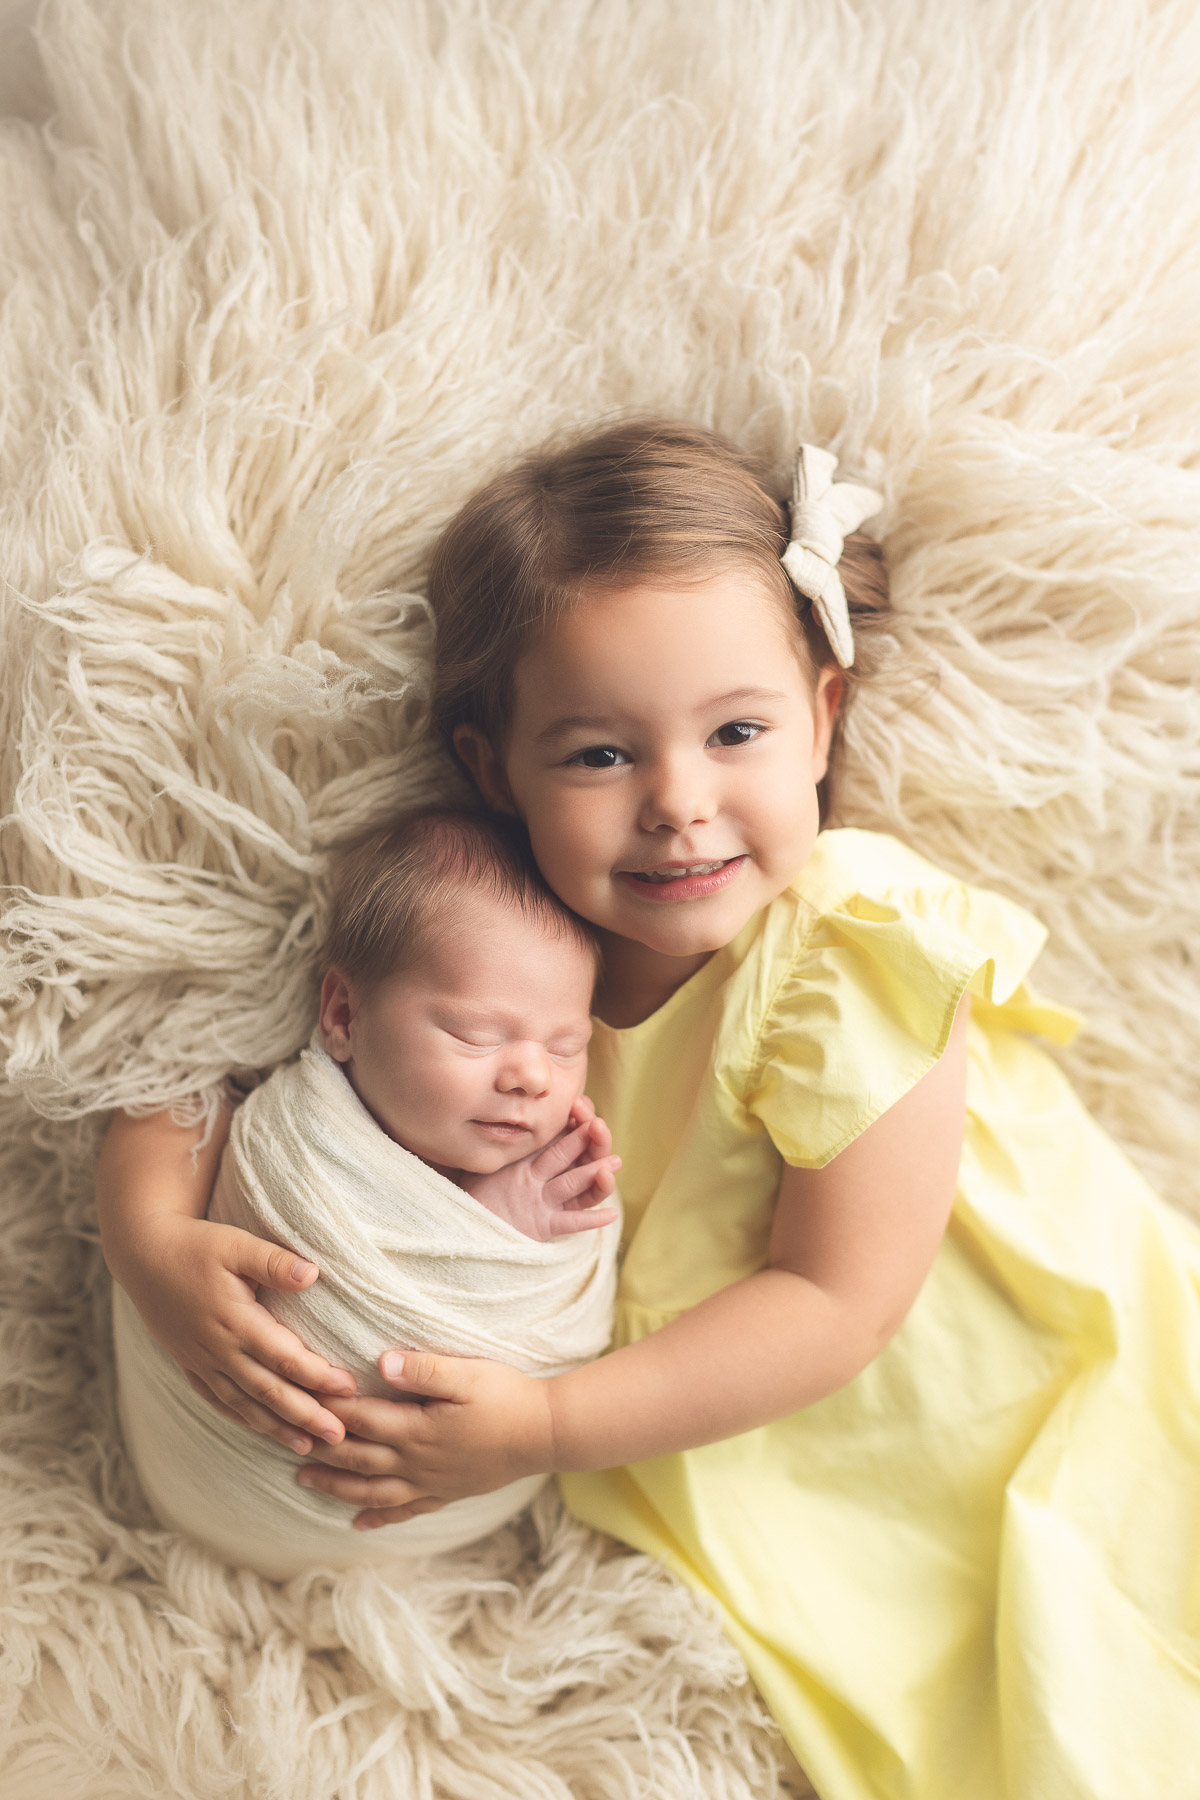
x=681 y=881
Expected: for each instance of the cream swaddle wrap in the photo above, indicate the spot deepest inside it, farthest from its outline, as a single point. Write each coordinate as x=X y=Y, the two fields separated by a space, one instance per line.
x=407 y=1259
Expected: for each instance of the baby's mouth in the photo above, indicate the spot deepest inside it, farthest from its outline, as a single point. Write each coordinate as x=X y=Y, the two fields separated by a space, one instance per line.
x=507 y=1130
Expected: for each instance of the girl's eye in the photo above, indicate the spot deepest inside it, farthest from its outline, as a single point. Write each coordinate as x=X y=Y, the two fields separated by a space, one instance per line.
x=738 y=731
x=598 y=756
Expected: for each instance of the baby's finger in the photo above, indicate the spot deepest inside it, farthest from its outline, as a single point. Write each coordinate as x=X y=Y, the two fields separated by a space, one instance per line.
x=394 y=1515
x=574 y=1182
x=582 y=1219
x=562 y=1151
x=599 y=1138
x=602 y=1187
x=581 y=1110
x=255 y=1416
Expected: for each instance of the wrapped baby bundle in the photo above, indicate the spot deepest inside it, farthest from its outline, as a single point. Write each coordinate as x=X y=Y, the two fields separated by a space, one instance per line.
x=407 y=1260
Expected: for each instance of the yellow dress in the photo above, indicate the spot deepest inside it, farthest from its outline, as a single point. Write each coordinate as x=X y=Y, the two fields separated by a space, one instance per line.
x=974 y=1572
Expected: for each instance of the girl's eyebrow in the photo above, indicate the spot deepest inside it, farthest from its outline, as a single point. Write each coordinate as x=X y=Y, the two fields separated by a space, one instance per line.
x=559 y=728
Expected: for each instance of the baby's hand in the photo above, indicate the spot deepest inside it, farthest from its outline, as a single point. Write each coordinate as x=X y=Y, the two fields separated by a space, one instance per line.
x=559 y=1188
x=195 y=1284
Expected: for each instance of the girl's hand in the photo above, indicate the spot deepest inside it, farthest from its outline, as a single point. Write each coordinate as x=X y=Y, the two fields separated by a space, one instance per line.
x=195 y=1283
x=483 y=1425
x=559 y=1188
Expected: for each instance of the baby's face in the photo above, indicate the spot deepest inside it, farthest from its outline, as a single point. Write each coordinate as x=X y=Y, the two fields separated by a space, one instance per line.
x=474 y=1056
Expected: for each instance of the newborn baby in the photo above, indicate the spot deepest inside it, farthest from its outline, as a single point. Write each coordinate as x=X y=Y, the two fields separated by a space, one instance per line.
x=457 y=1001
x=431 y=1153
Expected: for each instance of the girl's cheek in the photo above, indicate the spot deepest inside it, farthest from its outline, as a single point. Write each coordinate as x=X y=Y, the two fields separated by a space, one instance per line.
x=565 y=832
x=592 y=823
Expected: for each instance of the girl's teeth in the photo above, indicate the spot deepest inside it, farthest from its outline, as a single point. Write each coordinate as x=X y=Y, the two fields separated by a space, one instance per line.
x=679 y=874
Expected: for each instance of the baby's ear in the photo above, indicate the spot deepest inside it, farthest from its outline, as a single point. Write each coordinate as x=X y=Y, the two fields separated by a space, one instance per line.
x=339 y=1003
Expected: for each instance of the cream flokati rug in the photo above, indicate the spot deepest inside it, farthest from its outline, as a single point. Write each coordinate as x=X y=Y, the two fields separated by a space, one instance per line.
x=283 y=282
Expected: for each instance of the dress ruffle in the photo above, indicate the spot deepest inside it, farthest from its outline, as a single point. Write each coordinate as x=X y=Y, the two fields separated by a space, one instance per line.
x=865 y=1005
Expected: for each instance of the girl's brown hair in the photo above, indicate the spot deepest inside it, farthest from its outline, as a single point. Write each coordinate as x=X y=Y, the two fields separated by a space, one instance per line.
x=638 y=500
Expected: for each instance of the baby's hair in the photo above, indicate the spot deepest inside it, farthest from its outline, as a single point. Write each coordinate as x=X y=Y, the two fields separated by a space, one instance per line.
x=392 y=888
x=641 y=499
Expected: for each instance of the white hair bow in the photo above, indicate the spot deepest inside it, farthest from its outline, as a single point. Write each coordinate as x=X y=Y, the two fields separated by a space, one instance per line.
x=823 y=513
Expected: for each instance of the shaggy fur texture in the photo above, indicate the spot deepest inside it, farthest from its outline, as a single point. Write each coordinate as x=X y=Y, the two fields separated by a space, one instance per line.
x=283 y=282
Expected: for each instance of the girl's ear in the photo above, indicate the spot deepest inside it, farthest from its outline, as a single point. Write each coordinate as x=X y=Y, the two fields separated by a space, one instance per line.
x=339 y=1003
x=484 y=767
x=826 y=700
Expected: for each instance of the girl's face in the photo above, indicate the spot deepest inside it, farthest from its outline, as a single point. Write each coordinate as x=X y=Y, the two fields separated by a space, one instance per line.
x=665 y=749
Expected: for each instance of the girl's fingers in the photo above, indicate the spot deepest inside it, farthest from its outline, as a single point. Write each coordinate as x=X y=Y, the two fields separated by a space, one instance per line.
x=255 y=1416
x=361 y=1490
x=582 y=1110
x=421 y=1372
x=394 y=1515
x=362 y=1456
x=263 y=1263
x=397 y=1422
x=583 y=1219
x=247 y=1379
x=264 y=1340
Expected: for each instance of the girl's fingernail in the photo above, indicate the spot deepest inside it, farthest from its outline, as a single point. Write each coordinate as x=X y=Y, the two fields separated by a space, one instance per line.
x=301 y=1268
x=393 y=1366
x=299 y=1445
x=332 y=1437
x=364 y=1525
x=306 y=1478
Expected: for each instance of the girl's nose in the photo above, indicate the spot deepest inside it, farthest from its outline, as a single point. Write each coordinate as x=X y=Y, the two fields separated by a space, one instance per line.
x=524 y=1070
x=677 y=794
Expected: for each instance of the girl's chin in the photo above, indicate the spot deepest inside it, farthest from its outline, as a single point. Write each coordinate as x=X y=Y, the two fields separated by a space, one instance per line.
x=681 y=938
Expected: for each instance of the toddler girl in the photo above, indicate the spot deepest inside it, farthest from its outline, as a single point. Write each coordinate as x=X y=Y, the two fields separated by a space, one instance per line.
x=906 y=1365
x=432 y=1152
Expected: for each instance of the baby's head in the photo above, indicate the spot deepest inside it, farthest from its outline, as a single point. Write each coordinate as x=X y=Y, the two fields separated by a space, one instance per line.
x=625 y=664
x=457 y=989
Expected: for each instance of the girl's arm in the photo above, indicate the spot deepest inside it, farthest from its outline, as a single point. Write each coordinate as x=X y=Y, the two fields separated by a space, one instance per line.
x=194 y=1281
x=850 y=1248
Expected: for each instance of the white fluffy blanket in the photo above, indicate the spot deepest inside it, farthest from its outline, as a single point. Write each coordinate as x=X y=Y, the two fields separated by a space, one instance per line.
x=282 y=281
x=407 y=1259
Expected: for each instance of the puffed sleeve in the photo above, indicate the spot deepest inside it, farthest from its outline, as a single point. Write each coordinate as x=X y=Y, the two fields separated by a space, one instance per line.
x=864 y=1006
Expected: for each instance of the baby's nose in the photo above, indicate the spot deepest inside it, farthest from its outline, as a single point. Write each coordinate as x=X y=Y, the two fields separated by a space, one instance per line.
x=525 y=1070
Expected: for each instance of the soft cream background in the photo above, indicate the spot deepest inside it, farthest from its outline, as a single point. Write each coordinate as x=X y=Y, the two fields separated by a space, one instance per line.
x=283 y=282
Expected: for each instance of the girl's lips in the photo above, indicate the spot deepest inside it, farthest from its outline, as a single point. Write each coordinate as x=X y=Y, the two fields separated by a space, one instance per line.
x=684 y=887
x=505 y=1129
